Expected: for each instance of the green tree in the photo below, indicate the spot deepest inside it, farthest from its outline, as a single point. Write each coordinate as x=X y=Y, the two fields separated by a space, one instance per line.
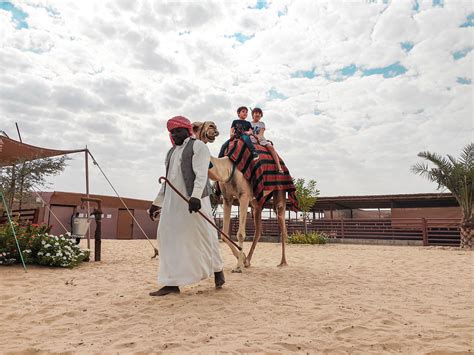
x=20 y=180
x=456 y=175
x=306 y=194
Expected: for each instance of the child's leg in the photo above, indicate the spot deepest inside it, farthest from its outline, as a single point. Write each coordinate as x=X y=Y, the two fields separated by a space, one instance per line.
x=275 y=156
x=223 y=148
x=248 y=142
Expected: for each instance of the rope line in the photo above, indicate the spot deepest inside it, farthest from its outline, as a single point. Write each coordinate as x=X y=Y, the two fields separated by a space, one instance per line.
x=123 y=202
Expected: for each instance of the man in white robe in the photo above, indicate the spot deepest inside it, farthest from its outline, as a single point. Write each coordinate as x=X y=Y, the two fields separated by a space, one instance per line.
x=188 y=244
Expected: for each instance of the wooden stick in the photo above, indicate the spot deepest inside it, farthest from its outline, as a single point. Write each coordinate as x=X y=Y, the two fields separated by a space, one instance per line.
x=202 y=214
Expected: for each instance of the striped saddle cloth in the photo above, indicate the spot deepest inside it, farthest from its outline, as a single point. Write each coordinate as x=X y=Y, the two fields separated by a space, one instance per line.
x=262 y=173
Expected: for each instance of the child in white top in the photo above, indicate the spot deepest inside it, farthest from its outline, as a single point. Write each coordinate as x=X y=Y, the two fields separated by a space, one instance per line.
x=258 y=137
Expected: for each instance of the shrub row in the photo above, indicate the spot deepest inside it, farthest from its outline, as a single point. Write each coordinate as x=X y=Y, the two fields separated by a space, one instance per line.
x=39 y=247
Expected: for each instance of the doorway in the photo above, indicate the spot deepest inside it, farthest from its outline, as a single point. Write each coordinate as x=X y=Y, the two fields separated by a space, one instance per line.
x=124 y=224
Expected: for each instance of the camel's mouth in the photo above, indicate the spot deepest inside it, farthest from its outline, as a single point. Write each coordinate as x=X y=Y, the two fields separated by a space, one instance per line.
x=211 y=137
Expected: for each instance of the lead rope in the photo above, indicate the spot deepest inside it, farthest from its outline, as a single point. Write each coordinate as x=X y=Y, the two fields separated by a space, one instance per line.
x=123 y=202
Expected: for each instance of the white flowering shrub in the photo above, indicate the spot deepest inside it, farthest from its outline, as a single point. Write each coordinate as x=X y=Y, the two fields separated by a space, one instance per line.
x=39 y=247
x=59 y=251
x=6 y=258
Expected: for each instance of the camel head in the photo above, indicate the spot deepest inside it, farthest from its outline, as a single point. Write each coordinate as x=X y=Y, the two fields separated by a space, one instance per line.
x=205 y=131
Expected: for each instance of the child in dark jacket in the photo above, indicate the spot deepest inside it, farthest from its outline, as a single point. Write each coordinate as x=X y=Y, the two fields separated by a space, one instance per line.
x=242 y=129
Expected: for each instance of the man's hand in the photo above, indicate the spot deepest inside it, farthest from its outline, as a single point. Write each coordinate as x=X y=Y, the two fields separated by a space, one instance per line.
x=194 y=204
x=154 y=212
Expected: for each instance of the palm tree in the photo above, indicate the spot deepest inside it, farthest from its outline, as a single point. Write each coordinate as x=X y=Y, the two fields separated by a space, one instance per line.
x=457 y=175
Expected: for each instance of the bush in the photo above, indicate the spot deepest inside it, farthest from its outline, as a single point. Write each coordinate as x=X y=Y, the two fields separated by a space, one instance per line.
x=39 y=247
x=309 y=238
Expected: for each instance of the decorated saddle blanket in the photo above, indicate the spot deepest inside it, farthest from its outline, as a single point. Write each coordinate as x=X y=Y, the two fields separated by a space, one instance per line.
x=262 y=173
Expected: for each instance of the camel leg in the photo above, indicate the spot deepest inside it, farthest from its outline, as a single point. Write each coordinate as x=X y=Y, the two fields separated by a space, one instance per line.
x=244 y=205
x=257 y=219
x=226 y=227
x=280 y=207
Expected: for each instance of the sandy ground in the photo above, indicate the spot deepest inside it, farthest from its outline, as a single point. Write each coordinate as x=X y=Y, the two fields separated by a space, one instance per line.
x=331 y=299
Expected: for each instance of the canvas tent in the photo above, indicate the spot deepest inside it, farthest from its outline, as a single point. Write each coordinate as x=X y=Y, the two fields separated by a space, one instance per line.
x=12 y=152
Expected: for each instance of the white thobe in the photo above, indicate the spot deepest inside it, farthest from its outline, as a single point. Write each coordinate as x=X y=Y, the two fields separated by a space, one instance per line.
x=188 y=244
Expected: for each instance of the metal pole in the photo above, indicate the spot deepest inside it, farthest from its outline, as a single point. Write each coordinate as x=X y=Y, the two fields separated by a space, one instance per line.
x=124 y=204
x=12 y=188
x=18 y=130
x=87 y=195
x=13 y=231
x=22 y=172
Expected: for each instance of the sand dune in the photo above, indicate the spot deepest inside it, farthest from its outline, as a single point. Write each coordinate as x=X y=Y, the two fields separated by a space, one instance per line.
x=331 y=299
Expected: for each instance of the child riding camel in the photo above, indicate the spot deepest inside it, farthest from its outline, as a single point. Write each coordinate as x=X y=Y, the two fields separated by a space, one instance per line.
x=259 y=138
x=241 y=129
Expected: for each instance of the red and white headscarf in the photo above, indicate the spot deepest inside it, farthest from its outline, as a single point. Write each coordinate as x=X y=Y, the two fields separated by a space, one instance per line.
x=179 y=122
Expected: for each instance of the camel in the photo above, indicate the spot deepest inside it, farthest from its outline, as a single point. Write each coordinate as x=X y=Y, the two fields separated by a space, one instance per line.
x=234 y=185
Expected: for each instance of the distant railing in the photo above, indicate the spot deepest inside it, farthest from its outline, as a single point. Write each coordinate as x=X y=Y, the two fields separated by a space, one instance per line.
x=25 y=216
x=427 y=231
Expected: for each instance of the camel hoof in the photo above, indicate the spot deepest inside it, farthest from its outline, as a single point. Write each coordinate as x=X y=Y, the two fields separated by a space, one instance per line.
x=247 y=263
x=237 y=270
x=282 y=264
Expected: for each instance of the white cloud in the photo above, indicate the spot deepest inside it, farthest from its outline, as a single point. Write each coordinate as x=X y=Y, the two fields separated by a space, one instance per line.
x=109 y=74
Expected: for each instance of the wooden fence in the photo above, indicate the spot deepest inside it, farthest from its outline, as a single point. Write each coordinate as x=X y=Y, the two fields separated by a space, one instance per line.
x=26 y=216
x=426 y=231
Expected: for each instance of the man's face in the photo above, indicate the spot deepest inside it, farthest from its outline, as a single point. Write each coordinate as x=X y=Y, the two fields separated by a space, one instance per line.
x=179 y=135
x=243 y=114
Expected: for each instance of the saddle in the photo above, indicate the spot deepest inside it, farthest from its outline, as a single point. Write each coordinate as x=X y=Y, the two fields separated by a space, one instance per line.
x=262 y=174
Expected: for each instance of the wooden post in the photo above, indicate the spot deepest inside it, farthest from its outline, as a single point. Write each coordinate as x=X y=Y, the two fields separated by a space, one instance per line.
x=424 y=229
x=342 y=228
x=36 y=215
x=98 y=226
x=98 y=234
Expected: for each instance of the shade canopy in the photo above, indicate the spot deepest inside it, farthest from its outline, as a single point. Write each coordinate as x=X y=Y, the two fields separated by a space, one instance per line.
x=13 y=152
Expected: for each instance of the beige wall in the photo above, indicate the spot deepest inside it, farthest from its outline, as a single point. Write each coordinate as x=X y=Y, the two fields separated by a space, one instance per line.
x=338 y=214
x=428 y=212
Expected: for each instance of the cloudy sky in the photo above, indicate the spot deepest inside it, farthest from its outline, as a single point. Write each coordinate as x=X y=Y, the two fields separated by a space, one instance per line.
x=351 y=90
